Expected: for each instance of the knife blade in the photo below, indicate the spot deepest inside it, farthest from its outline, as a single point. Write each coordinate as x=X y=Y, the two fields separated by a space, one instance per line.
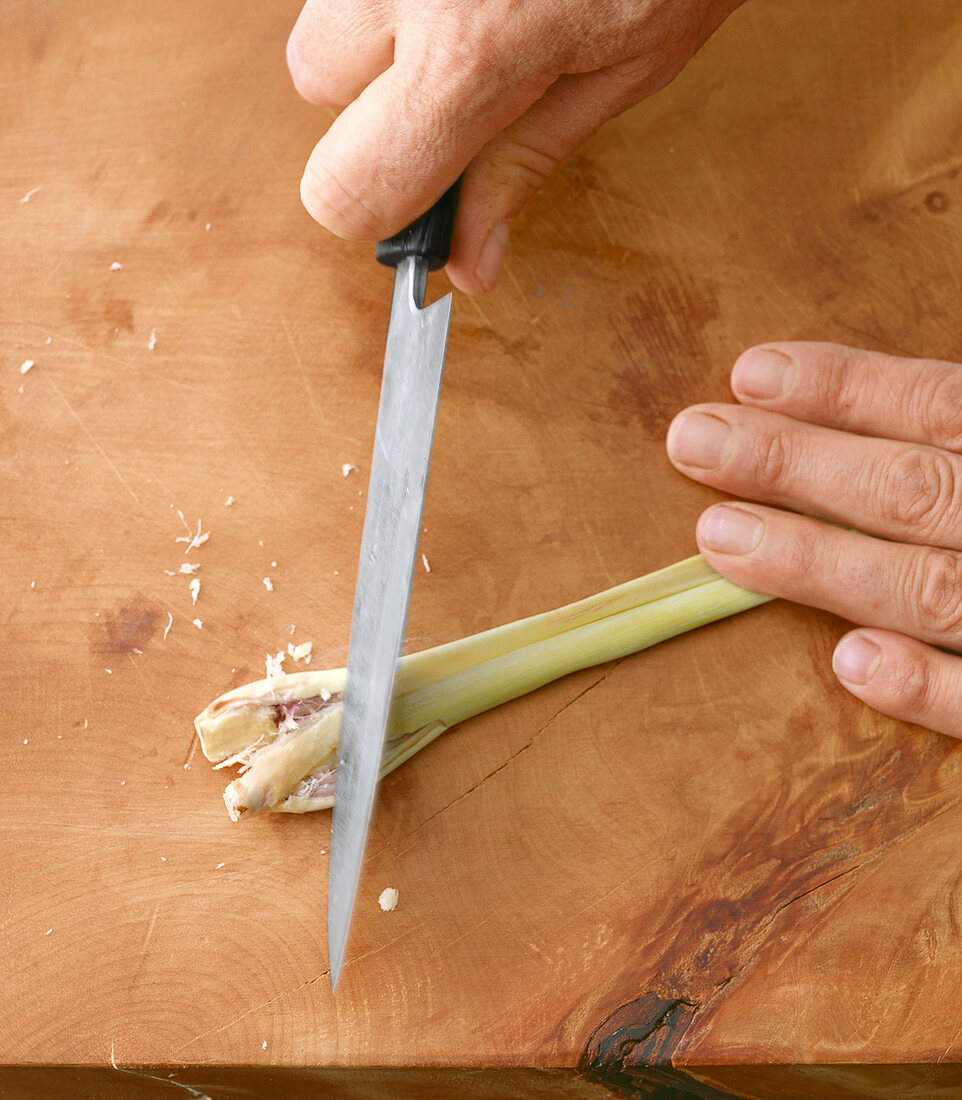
x=407 y=410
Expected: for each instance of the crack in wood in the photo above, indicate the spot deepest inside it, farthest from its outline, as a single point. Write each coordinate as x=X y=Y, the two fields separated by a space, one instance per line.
x=196 y=1094
x=518 y=752
x=252 y=1009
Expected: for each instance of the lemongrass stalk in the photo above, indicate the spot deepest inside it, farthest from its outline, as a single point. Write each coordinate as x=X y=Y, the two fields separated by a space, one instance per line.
x=284 y=730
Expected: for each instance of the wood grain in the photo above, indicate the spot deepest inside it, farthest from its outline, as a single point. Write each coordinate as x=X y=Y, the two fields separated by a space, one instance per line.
x=705 y=868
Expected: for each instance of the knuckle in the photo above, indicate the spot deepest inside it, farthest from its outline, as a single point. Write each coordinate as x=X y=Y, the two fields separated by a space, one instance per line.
x=467 y=52
x=842 y=380
x=934 y=584
x=307 y=82
x=528 y=163
x=773 y=461
x=459 y=61
x=938 y=408
x=802 y=559
x=918 y=491
x=479 y=58
x=638 y=78
x=916 y=690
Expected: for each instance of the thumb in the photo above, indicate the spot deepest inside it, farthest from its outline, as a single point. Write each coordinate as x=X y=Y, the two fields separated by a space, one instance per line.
x=516 y=163
x=404 y=140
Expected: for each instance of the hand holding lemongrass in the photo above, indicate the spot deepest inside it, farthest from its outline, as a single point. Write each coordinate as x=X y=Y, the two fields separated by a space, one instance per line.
x=868 y=441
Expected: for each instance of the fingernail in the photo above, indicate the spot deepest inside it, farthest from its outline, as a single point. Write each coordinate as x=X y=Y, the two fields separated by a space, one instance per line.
x=856 y=659
x=697 y=439
x=492 y=255
x=730 y=530
x=763 y=373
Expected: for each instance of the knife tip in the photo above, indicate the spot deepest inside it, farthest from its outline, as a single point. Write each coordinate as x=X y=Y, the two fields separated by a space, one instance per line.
x=335 y=951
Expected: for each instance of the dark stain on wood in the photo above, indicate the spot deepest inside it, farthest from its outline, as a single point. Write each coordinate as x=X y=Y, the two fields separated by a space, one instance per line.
x=158 y=212
x=520 y=350
x=99 y=318
x=630 y=1051
x=665 y=320
x=643 y=396
x=937 y=202
x=127 y=629
x=38 y=44
x=640 y=1032
x=118 y=315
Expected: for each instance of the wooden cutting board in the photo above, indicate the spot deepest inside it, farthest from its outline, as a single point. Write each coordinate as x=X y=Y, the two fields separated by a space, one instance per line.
x=705 y=868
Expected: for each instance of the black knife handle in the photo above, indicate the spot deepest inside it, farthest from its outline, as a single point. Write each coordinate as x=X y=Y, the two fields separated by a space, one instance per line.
x=428 y=237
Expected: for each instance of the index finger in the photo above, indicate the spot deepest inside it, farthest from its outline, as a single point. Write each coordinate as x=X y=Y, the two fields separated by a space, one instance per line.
x=867 y=392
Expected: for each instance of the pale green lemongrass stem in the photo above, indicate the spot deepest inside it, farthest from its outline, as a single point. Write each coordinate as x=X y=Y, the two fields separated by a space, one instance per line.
x=439 y=687
x=500 y=679
x=238 y=718
x=505 y=677
x=442 y=661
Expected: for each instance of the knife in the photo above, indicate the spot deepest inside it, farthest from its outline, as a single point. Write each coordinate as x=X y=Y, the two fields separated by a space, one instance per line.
x=410 y=388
